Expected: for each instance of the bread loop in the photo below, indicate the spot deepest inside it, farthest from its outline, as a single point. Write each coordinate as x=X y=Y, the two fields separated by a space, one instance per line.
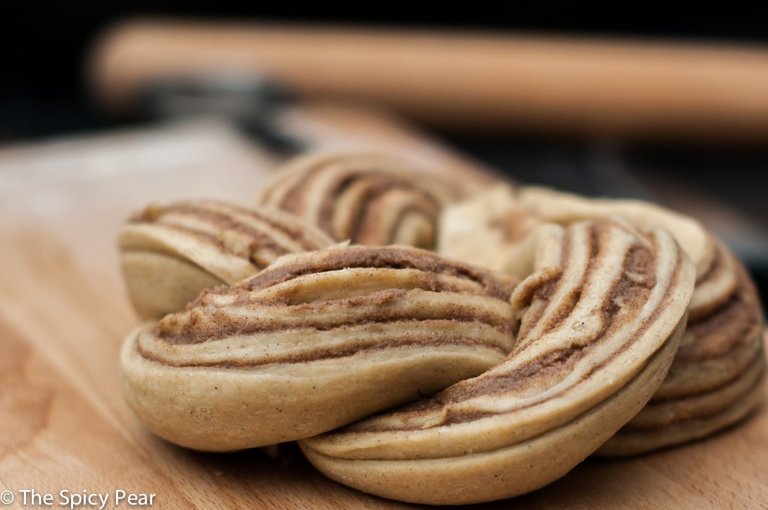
x=365 y=198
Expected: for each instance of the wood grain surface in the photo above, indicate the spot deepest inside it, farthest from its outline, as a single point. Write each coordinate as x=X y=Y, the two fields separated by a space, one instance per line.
x=63 y=315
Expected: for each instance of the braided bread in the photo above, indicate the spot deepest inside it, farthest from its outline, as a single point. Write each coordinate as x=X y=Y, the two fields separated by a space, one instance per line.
x=546 y=328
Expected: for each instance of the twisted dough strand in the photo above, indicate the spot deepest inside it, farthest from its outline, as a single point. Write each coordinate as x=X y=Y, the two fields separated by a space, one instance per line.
x=599 y=320
x=313 y=342
x=172 y=252
x=716 y=378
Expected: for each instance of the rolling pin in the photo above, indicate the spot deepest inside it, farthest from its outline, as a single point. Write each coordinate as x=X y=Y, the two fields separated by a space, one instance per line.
x=461 y=81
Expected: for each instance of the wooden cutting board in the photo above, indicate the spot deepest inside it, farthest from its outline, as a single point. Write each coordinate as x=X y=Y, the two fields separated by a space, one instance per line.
x=63 y=314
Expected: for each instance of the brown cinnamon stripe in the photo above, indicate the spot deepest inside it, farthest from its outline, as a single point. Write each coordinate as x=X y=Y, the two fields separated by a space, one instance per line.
x=755 y=374
x=217 y=242
x=725 y=328
x=750 y=354
x=486 y=385
x=395 y=257
x=544 y=291
x=211 y=325
x=377 y=186
x=221 y=215
x=704 y=376
x=394 y=342
x=721 y=268
x=293 y=194
x=556 y=313
x=200 y=235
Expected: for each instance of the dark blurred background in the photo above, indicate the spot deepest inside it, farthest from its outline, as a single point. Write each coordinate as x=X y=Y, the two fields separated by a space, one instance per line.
x=44 y=43
x=43 y=91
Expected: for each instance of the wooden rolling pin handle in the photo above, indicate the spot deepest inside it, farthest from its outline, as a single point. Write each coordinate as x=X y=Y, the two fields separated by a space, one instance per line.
x=465 y=81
